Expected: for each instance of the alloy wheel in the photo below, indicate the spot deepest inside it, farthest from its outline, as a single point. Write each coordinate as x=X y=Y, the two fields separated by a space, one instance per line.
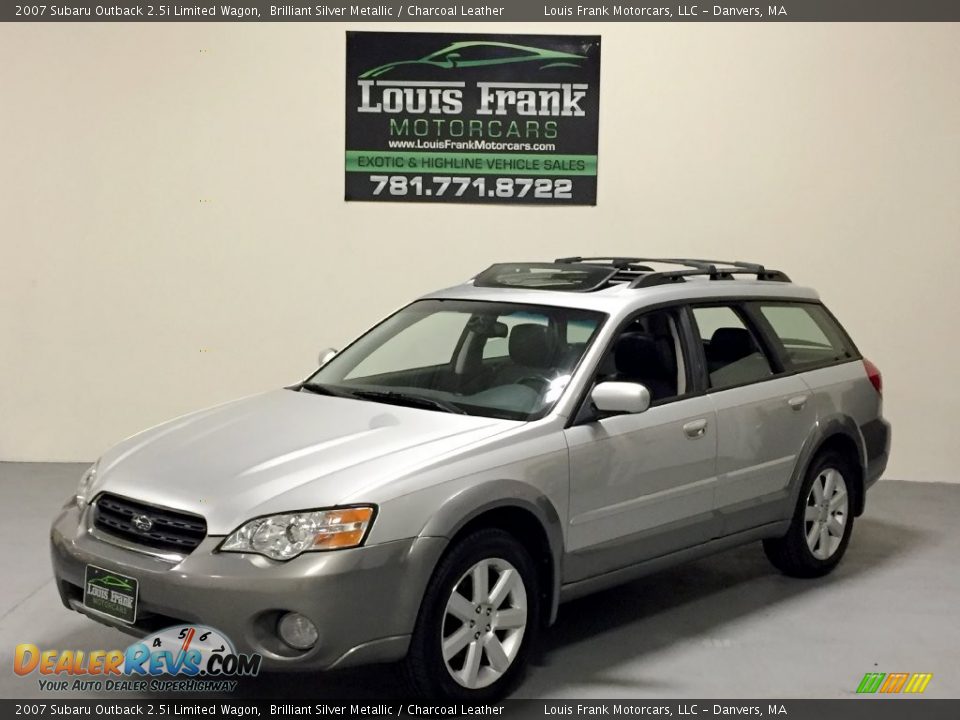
x=825 y=516
x=483 y=623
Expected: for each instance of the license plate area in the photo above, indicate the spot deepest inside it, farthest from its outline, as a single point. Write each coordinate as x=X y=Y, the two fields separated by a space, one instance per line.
x=110 y=593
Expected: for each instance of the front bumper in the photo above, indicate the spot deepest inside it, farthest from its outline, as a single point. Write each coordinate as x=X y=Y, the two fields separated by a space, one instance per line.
x=364 y=601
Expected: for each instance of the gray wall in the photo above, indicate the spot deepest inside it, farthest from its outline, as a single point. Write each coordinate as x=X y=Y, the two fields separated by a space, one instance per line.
x=173 y=233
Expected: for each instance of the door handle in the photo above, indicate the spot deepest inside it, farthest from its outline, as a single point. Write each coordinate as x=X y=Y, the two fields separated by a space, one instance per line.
x=696 y=428
x=797 y=402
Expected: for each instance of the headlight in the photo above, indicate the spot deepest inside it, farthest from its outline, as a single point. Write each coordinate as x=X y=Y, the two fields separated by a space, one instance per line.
x=83 y=489
x=282 y=537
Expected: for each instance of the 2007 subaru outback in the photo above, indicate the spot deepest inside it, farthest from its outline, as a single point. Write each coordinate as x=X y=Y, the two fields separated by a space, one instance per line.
x=434 y=491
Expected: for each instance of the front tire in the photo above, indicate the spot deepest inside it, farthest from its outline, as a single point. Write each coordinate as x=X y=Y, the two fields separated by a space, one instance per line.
x=822 y=522
x=477 y=622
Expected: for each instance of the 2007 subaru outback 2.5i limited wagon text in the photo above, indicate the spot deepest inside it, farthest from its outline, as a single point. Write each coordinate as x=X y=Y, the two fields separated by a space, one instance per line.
x=435 y=490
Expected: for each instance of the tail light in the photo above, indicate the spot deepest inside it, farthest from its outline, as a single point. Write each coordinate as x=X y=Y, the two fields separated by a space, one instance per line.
x=873 y=374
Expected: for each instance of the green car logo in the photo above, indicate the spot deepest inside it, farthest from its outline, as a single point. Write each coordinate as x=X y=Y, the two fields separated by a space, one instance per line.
x=479 y=53
x=112 y=582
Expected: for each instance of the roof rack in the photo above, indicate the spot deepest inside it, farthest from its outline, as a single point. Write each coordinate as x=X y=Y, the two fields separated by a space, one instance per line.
x=637 y=273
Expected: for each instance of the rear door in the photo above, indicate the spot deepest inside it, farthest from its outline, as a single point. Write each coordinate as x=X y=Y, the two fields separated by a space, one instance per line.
x=763 y=416
x=813 y=345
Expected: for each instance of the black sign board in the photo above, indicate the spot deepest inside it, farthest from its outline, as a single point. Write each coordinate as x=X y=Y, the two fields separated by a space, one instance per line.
x=110 y=593
x=442 y=117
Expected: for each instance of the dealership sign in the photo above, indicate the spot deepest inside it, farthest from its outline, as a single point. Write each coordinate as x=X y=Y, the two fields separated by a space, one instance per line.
x=435 y=117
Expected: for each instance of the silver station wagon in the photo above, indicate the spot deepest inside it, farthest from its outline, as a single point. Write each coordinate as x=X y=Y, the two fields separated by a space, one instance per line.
x=438 y=488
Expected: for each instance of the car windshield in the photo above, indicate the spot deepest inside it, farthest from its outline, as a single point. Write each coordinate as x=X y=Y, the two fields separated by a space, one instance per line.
x=491 y=359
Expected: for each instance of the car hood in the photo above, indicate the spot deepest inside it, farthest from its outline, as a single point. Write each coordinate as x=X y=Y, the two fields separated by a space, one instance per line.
x=281 y=451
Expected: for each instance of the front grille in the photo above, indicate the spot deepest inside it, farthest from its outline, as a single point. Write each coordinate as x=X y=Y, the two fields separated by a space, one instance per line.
x=149 y=525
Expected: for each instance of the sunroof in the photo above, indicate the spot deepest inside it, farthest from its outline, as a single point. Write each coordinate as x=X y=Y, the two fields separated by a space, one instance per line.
x=545 y=276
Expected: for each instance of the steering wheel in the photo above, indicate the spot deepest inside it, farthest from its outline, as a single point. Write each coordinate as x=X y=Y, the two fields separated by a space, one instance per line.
x=538 y=383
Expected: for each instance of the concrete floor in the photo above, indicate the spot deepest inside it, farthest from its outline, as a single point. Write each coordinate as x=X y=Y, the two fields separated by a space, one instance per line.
x=728 y=626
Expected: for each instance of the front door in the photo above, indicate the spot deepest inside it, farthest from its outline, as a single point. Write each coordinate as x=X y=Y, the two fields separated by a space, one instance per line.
x=642 y=485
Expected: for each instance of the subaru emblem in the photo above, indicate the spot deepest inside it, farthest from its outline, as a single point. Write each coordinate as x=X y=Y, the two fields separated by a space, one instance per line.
x=143 y=523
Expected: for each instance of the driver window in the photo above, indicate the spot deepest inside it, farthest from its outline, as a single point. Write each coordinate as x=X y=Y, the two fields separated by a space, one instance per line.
x=648 y=351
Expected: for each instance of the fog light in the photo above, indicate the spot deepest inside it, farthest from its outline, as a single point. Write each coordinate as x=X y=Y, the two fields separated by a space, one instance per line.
x=297 y=631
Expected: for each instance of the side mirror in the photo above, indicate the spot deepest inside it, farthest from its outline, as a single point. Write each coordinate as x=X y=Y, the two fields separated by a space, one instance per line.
x=620 y=397
x=326 y=356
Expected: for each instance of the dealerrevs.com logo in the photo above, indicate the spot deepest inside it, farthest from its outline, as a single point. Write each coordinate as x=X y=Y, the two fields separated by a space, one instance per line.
x=182 y=658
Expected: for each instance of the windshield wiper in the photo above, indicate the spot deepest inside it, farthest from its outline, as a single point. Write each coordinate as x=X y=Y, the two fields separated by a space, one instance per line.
x=398 y=398
x=387 y=396
x=331 y=390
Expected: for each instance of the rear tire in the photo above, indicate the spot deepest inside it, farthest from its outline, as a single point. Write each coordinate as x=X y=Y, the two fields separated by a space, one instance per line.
x=477 y=621
x=822 y=521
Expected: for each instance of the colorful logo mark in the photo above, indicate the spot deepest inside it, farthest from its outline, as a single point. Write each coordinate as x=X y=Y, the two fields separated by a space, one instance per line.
x=894 y=683
x=188 y=650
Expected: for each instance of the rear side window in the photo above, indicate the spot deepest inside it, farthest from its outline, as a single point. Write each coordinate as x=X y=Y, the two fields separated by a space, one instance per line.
x=733 y=355
x=808 y=334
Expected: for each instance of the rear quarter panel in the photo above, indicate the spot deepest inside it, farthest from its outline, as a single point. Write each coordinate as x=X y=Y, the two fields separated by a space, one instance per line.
x=844 y=391
x=845 y=401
